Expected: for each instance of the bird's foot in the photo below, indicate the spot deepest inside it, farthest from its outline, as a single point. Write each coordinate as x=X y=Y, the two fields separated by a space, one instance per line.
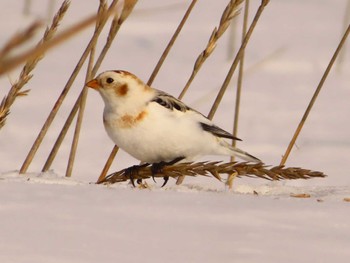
x=157 y=168
x=132 y=171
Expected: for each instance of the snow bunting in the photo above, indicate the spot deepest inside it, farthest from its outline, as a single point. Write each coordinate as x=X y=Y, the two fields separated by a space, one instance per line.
x=153 y=126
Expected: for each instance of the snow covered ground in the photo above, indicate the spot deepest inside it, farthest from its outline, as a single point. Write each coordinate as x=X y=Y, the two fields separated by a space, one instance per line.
x=49 y=218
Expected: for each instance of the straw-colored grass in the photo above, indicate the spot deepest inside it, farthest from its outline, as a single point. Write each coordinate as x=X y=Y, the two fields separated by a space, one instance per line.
x=32 y=57
x=229 y=13
x=215 y=169
x=25 y=75
x=314 y=97
x=101 y=22
x=114 y=29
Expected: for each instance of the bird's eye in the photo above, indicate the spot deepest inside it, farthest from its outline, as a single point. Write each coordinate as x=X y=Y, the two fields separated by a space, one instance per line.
x=109 y=80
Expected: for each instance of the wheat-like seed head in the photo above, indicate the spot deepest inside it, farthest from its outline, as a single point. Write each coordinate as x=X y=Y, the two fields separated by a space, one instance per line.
x=215 y=169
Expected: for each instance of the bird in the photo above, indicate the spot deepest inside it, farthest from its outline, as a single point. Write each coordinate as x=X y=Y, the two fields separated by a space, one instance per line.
x=154 y=126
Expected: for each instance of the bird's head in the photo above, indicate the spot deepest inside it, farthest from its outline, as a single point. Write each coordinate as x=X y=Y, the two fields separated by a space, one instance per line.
x=120 y=87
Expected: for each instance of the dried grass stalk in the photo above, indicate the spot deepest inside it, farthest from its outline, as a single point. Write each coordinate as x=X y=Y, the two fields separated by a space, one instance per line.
x=71 y=31
x=127 y=9
x=315 y=95
x=8 y=65
x=150 y=80
x=19 y=39
x=215 y=169
x=237 y=59
x=171 y=43
x=116 y=24
x=25 y=74
x=229 y=13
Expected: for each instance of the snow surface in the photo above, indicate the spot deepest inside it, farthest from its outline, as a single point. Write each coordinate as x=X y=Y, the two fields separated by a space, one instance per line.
x=50 y=218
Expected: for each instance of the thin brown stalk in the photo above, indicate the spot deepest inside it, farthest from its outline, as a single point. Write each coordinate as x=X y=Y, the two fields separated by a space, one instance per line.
x=237 y=59
x=215 y=169
x=239 y=89
x=150 y=81
x=127 y=9
x=116 y=24
x=9 y=64
x=83 y=95
x=346 y=21
x=171 y=43
x=68 y=85
x=229 y=13
x=314 y=97
x=100 y=20
x=25 y=74
x=108 y=164
x=240 y=77
x=82 y=104
x=19 y=39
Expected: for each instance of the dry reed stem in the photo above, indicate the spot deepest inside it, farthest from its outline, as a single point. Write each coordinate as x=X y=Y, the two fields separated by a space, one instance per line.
x=29 y=66
x=150 y=81
x=116 y=24
x=229 y=13
x=108 y=164
x=82 y=97
x=82 y=104
x=230 y=178
x=215 y=169
x=127 y=9
x=19 y=39
x=112 y=33
x=314 y=97
x=9 y=64
x=237 y=59
x=99 y=22
x=171 y=43
x=240 y=77
x=346 y=21
x=70 y=81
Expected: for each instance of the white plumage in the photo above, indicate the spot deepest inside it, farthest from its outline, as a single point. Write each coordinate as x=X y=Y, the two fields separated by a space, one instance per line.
x=153 y=126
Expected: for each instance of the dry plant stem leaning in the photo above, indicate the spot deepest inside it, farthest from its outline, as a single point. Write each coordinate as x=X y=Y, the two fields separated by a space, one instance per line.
x=100 y=20
x=236 y=60
x=240 y=76
x=229 y=13
x=116 y=23
x=19 y=39
x=29 y=66
x=171 y=43
x=67 y=87
x=82 y=98
x=150 y=81
x=239 y=89
x=345 y=24
x=10 y=64
x=314 y=97
x=215 y=169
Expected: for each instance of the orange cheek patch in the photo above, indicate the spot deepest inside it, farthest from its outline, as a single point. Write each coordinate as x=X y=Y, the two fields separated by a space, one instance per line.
x=122 y=90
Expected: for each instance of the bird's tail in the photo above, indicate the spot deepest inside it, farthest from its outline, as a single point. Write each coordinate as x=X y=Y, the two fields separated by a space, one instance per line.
x=242 y=154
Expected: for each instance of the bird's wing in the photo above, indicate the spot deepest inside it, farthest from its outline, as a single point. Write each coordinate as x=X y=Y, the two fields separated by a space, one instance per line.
x=215 y=130
x=166 y=100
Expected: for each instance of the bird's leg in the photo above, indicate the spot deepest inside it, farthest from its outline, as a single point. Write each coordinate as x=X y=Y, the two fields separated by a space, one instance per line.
x=132 y=171
x=158 y=167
